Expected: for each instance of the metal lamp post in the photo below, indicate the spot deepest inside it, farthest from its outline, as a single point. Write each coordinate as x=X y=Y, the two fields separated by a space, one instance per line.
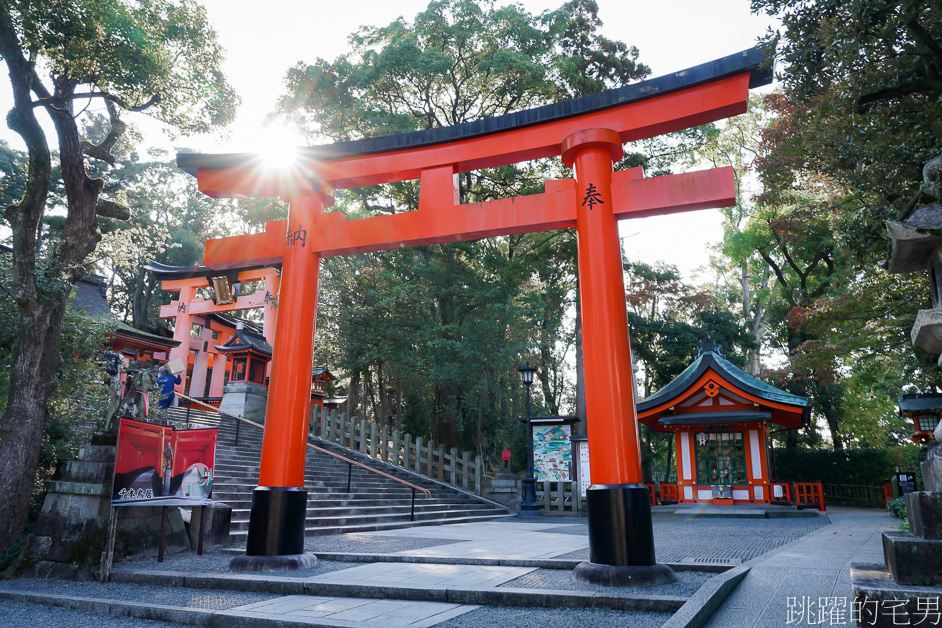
x=529 y=506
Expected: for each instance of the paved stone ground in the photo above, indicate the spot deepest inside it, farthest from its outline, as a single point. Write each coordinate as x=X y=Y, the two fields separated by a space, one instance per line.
x=170 y=596
x=561 y=580
x=370 y=543
x=26 y=615
x=516 y=617
x=218 y=563
x=676 y=540
x=815 y=567
x=712 y=540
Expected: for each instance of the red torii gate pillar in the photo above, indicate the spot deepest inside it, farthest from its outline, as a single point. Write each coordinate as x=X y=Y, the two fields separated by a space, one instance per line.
x=617 y=492
x=588 y=133
x=280 y=494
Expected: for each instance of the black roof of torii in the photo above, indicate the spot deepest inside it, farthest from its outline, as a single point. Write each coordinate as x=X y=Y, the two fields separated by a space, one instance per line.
x=753 y=60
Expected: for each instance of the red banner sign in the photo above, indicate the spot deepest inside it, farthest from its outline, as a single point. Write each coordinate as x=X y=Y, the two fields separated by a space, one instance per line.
x=161 y=466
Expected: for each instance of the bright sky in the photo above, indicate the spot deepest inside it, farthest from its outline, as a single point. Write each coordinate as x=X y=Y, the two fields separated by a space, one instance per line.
x=264 y=39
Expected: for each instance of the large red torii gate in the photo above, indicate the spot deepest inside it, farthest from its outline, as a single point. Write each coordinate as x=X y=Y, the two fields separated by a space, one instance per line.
x=588 y=134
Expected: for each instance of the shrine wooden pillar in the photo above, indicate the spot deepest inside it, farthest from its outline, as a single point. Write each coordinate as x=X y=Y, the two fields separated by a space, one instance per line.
x=201 y=364
x=218 y=378
x=182 y=331
x=270 y=311
x=621 y=535
x=279 y=503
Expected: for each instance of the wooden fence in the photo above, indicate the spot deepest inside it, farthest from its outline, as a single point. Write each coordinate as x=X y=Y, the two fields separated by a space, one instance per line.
x=559 y=498
x=400 y=450
x=855 y=495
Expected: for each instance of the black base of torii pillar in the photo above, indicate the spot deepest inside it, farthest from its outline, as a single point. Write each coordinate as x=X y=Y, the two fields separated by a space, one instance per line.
x=621 y=539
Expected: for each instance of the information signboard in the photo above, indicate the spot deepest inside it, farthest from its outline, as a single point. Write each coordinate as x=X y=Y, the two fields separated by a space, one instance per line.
x=552 y=453
x=907 y=482
x=157 y=465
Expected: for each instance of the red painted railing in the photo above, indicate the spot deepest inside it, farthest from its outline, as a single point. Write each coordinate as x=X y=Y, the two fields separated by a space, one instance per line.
x=653 y=493
x=810 y=493
x=669 y=493
x=202 y=401
x=786 y=492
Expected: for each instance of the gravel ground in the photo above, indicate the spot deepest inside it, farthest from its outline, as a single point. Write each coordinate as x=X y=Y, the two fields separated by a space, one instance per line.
x=26 y=615
x=677 y=540
x=491 y=616
x=219 y=563
x=170 y=596
x=561 y=580
x=369 y=544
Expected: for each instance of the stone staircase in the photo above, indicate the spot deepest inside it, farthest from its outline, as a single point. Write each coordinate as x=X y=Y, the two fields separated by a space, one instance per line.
x=372 y=503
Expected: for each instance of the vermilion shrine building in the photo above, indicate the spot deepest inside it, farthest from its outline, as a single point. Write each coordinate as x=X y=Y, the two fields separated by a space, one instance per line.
x=721 y=418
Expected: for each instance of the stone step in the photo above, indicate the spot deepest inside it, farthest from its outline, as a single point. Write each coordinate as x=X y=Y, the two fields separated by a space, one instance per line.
x=365 y=519
x=84 y=471
x=97 y=453
x=240 y=535
x=394 y=508
x=373 y=502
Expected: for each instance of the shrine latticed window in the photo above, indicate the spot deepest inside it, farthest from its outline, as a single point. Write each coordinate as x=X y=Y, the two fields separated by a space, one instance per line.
x=721 y=458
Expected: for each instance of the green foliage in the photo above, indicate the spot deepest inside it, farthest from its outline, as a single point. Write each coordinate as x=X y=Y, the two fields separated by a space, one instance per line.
x=433 y=335
x=161 y=54
x=861 y=99
x=864 y=466
x=898 y=508
x=459 y=60
x=669 y=320
x=170 y=223
x=74 y=411
x=12 y=552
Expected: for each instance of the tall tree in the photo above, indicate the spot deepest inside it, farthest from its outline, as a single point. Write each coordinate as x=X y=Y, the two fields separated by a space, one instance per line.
x=487 y=305
x=858 y=117
x=160 y=57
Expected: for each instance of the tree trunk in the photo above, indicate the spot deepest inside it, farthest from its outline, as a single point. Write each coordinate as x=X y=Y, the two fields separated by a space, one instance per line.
x=580 y=428
x=353 y=394
x=36 y=359
x=32 y=382
x=398 y=398
x=670 y=458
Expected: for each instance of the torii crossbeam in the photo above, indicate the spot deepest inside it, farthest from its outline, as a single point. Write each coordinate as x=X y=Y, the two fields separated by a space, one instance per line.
x=588 y=134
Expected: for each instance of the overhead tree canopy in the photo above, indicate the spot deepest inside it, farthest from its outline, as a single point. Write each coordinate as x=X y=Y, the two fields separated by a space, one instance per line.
x=66 y=57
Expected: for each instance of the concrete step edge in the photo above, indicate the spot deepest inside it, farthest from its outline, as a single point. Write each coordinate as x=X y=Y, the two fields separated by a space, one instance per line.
x=491 y=596
x=115 y=608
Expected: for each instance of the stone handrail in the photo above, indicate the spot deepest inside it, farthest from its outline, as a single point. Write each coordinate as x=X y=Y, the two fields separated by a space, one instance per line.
x=405 y=451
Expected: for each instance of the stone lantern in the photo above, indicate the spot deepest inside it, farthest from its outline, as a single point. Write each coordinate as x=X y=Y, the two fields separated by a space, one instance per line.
x=914 y=557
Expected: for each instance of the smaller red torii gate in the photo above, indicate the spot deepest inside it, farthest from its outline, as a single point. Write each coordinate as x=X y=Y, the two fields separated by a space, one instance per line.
x=588 y=134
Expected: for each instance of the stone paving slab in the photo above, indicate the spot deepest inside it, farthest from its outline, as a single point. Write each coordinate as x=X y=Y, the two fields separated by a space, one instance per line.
x=423 y=575
x=532 y=546
x=492 y=539
x=517 y=617
x=816 y=566
x=338 y=611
